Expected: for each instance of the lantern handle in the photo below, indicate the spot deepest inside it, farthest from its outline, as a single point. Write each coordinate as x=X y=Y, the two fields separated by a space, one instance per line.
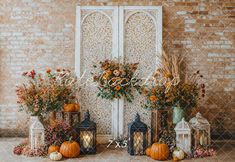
x=87 y=115
x=137 y=117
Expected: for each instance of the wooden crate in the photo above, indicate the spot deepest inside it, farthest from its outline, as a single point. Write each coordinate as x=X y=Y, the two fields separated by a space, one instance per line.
x=70 y=118
x=160 y=119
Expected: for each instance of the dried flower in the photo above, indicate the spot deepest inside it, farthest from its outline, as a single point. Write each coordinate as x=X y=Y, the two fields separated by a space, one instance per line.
x=46 y=92
x=115 y=79
x=116 y=72
x=153 y=98
x=48 y=71
x=117 y=88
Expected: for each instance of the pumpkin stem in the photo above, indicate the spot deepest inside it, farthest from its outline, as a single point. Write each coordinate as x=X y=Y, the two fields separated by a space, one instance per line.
x=70 y=138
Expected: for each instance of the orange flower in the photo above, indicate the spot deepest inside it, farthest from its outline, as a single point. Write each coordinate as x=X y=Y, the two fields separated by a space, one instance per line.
x=105 y=76
x=109 y=72
x=168 y=75
x=48 y=71
x=58 y=70
x=153 y=98
x=116 y=72
x=117 y=88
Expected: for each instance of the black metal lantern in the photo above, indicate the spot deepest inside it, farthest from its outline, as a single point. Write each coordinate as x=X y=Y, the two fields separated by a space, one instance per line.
x=137 y=132
x=86 y=131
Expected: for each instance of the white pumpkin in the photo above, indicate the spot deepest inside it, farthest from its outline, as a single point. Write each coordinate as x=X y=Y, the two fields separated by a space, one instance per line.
x=55 y=156
x=179 y=154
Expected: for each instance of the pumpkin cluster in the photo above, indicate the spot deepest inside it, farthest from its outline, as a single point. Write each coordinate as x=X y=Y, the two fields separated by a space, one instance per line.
x=68 y=149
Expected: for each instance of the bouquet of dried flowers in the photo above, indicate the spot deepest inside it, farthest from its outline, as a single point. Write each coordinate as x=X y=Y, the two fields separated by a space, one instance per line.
x=171 y=86
x=49 y=92
x=186 y=93
x=156 y=97
x=116 y=80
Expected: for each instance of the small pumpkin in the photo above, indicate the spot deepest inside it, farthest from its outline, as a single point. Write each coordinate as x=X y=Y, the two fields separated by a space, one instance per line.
x=159 y=151
x=55 y=156
x=71 y=107
x=179 y=153
x=175 y=159
x=77 y=107
x=70 y=149
x=53 y=148
x=148 y=151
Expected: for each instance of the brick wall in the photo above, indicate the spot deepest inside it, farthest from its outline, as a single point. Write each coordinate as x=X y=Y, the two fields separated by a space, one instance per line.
x=40 y=33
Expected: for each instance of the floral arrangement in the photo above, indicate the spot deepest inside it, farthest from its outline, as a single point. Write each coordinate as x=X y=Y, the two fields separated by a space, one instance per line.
x=187 y=93
x=56 y=135
x=48 y=92
x=156 y=97
x=170 y=85
x=201 y=152
x=116 y=80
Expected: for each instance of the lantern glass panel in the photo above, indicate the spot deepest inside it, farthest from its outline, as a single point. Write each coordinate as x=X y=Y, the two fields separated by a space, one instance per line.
x=203 y=138
x=37 y=140
x=138 y=143
x=86 y=139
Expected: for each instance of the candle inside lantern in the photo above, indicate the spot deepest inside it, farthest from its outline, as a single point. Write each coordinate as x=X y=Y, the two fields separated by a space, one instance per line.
x=37 y=140
x=138 y=143
x=86 y=141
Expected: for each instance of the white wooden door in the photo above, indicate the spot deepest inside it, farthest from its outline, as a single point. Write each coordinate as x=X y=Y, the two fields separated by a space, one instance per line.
x=133 y=33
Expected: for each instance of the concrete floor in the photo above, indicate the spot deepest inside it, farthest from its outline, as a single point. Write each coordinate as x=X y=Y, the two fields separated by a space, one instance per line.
x=225 y=153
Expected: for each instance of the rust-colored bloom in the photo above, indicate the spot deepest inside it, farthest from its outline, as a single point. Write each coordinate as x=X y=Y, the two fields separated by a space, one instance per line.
x=117 y=88
x=58 y=70
x=153 y=98
x=105 y=76
x=48 y=71
x=32 y=74
x=108 y=72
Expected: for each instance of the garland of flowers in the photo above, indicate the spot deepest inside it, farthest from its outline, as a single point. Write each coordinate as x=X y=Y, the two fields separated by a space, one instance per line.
x=49 y=92
x=116 y=80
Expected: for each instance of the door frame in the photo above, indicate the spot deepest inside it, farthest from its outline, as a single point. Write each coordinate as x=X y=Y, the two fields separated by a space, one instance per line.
x=118 y=23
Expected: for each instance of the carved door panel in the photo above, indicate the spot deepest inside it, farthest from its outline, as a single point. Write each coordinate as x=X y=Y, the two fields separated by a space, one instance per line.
x=141 y=42
x=105 y=32
x=96 y=40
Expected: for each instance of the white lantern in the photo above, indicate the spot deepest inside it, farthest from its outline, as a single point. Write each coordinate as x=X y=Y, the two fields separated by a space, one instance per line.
x=183 y=136
x=36 y=134
x=201 y=131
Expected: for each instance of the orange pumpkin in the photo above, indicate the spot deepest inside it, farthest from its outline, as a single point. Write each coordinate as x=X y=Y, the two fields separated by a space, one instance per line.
x=70 y=149
x=53 y=148
x=148 y=151
x=159 y=151
x=71 y=107
x=77 y=107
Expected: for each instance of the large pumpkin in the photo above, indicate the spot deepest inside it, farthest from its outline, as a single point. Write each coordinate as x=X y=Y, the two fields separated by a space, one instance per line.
x=159 y=151
x=148 y=151
x=71 y=107
x=53 y=148
x=70 y=149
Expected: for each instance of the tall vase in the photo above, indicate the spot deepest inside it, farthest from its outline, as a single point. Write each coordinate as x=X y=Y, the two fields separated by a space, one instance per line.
x=178 y=114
